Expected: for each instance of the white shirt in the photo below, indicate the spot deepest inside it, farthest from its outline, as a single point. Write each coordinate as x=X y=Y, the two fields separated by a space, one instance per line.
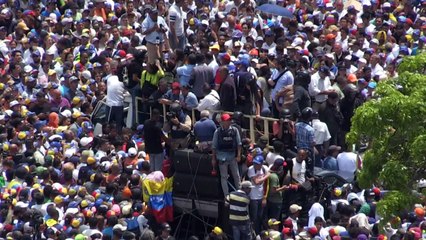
x=210 y=102
x=175 y=15
x=321 y=133
x=286 y=79
x=299 y=171
x=377 y=71
x=154 y=36
x=256 y=192
x=27 y=55
x=318 y=85
x=347 y=161
x=115 y=92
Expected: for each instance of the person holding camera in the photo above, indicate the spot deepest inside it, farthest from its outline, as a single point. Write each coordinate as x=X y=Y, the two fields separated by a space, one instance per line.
x=178 y=125
x=154 y=27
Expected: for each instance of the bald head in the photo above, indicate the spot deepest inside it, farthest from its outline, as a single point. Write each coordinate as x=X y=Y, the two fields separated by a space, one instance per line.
x=205 y=114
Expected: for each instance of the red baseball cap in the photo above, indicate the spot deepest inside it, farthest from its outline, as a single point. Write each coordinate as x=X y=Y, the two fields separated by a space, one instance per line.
x=175 y=87
x=225 y=117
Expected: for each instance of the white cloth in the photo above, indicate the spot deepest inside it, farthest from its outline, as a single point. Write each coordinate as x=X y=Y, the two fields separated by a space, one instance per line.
x=115 y=92
x=317 y=210
x=347 y=161
x=256 y=192
x=318 y=85
x=321 y=133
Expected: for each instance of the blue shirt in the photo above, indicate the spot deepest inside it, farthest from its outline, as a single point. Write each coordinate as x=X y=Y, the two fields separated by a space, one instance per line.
x=285 y=80
x=330 y=163
x=204 y=130
x=107 y=231
x=304 y=135
x=184 y=73
x=190 y=101
x=225 y=155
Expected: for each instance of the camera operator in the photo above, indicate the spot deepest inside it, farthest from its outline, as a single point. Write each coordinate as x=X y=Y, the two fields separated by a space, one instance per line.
x=178 y=124
x=284 y=131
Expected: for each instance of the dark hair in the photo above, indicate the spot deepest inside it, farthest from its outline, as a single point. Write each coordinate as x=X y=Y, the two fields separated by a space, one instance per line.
x=192 y=59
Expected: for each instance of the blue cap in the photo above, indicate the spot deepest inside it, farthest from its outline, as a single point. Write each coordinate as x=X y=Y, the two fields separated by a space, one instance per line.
x=325 y=70
x=258 y=159
x=404 y=49
x=269 y=33
x=237 y=34
x=372 y=85
x=73 y=204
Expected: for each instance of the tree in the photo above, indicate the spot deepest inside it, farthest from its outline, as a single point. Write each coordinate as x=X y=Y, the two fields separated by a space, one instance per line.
x=394 y=125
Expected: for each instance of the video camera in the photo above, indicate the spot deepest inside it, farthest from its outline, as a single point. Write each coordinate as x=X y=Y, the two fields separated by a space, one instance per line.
x=170 y=116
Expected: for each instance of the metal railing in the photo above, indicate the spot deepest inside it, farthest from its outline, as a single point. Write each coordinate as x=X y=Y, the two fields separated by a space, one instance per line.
x=252 y=119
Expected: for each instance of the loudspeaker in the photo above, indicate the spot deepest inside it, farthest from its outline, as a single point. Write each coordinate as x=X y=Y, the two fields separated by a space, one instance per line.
x=204 y=208
x=197 y=187
x=190 y=162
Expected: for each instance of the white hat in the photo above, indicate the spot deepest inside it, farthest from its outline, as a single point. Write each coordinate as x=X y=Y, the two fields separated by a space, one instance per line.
x=329 y=55
x=362 y=60
x=125 y=40
x=66 y=113
x=375 y=41
x=119 y=226
x=99 y=19
x=205 y=22
x=329 y=5
x=14 y=103
x=125 y=210
x=297 y=41
x=53 y=17
x=352 y=196
x=132 y=152
x=53 y=137
x=386 y=5
x=366 y=2
x=310 y=24
x=71 y=211
x=105 y=165
x=28 y=69
x=295 y=208
x=86 y=74
x=85 y=141
x=66 y=20
x=348 y=57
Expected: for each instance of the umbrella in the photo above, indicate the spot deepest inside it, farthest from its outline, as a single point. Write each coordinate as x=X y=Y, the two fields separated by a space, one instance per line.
x=276 y=10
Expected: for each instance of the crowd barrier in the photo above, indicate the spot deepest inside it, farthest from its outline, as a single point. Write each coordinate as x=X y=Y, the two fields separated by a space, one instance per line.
x=266 y=122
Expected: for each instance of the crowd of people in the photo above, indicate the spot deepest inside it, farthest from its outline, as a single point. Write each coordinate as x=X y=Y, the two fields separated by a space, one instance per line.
x=65 y=177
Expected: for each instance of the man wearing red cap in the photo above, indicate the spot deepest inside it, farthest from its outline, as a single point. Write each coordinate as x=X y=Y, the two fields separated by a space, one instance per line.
x=226 y=142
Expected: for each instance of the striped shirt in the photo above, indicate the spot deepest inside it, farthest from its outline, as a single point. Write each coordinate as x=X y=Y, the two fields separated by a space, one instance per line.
x=238 y=208
x=304 y=135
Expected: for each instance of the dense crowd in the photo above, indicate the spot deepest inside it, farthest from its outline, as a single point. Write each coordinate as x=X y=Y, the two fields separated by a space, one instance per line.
x=69 y=175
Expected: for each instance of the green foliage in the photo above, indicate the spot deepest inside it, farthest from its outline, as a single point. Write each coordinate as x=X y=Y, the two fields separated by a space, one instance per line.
x=394 y=125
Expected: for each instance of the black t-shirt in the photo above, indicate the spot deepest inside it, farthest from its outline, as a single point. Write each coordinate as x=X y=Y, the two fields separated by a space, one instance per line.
x=134 y=68
x=152 y=137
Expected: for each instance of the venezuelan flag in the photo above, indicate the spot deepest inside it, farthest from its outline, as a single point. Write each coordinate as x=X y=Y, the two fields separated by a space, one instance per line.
x=157 y=194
